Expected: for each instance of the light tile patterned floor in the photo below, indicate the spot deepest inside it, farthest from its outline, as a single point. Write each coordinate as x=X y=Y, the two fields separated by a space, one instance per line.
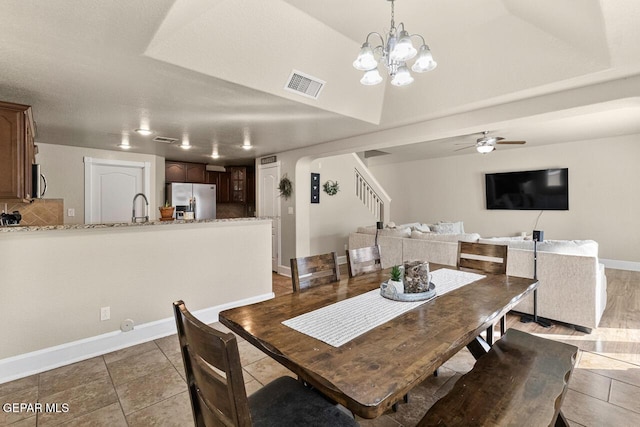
x=144 y=385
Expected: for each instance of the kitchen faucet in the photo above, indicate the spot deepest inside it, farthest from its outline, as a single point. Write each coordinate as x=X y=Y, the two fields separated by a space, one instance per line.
x=134 y=218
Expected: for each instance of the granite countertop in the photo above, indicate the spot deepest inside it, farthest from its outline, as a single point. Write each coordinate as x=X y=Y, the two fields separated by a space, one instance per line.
x=9 y=229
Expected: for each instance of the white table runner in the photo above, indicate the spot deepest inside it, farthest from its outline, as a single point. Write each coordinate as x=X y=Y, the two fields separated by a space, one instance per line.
x=343 y=321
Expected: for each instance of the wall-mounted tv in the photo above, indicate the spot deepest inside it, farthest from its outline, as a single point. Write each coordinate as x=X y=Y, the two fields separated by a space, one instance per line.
x=546 y=189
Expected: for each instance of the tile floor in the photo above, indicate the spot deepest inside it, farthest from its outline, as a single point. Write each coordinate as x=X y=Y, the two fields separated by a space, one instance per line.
x=144 y=385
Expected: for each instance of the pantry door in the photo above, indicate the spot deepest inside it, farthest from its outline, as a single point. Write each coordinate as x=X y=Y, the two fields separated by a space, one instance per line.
x=110 y=186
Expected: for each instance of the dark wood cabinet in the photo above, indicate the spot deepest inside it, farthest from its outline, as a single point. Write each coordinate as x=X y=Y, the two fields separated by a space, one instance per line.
x=185 y=172
x=17 y=151
x=224 y=187
x=251 y=191
x=238 y=184
x=221 y=180
x=212 y=177
x=196 y=172
x=175 y=171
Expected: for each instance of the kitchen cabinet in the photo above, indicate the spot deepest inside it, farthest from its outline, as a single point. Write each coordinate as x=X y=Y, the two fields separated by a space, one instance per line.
x=185 y=172
x=238 y=184
x=221 y=180
x=175 y=171
x=196 y=172
x=224 y=187
x=251 y=191
x=17 y=151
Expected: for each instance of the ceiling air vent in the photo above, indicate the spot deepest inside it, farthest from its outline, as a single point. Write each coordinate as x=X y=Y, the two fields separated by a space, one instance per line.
x=304 y=84
x=374 y=153
x=165 y=139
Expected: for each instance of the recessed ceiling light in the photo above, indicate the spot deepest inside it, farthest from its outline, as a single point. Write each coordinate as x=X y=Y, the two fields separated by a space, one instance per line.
x=143 y=132
x=215 y=155
x=247 y=147
x=185 y=145
x=124 y=142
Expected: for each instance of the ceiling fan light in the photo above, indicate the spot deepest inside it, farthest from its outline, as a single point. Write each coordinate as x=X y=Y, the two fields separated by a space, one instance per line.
x=371 y=77
x=366 y=60
x=425 y=61
x=484 y=149
x=403 y=49
x=402 y=77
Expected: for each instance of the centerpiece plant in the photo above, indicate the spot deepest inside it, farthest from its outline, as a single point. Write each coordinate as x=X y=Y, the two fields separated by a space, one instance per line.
x=395 y=278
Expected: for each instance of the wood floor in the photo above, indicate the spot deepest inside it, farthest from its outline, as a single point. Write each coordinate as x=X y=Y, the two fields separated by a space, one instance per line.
x=144 y=385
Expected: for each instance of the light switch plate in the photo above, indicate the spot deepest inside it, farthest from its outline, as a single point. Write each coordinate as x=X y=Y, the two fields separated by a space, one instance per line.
x=290 y=210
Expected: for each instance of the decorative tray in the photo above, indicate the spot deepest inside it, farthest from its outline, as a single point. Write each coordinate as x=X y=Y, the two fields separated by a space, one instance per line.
x=390 y=292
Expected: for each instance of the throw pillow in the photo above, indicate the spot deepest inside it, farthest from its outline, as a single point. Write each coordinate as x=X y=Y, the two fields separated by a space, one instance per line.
x=445 y=228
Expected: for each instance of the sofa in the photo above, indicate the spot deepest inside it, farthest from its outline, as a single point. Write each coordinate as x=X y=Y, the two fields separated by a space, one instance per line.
x=573 y=285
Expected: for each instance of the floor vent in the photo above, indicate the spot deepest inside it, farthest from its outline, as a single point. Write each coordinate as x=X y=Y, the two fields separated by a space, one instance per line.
x=165 y=139
x=304 y=84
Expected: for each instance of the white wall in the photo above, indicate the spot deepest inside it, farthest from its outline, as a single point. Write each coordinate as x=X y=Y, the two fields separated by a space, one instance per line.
x=55 y=282
x=331 y=220
x=604 y=189
x=64 y=168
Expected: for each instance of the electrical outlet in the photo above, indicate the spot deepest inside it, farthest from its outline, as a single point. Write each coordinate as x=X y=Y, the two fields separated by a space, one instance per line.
x=105 y=313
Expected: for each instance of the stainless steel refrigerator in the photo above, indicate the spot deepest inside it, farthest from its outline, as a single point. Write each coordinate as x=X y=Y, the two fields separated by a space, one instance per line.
x=205 y=195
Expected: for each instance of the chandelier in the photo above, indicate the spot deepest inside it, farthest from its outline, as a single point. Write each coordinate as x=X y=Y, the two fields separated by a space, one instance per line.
x=393 y=53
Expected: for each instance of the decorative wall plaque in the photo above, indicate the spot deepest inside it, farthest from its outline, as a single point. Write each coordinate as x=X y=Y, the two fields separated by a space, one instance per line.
x=315 y=188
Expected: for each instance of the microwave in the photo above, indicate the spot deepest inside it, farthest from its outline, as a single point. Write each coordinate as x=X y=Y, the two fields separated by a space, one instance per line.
x=38 y=182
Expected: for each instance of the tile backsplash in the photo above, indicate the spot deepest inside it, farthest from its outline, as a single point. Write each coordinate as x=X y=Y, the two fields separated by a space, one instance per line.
x=39 y=212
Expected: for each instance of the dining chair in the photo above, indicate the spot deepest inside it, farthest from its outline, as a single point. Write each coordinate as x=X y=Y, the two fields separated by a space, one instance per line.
x=217 y=392
x=314 y=270
x=363 y=260
x=487 y=258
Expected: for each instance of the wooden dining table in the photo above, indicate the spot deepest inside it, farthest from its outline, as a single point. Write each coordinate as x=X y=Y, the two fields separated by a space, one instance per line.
x=375 y=370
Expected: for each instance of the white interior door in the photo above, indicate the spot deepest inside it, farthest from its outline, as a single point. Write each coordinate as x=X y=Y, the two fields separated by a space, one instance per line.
x=110 y=186
x=269 y=205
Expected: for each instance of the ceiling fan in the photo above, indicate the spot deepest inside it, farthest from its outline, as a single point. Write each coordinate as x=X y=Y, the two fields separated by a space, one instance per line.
x=486 y=144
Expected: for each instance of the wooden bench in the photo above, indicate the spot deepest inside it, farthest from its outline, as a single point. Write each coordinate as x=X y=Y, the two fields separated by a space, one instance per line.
x=521 y=381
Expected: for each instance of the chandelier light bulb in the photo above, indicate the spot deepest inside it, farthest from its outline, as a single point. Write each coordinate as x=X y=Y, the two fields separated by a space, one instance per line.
x=371 y=77
x=402 y=77
x=425 y=60
x=366 y=60
x=403 y=49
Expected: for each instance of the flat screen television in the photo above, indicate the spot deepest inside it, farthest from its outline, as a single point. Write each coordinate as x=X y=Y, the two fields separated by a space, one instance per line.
x=546 y=189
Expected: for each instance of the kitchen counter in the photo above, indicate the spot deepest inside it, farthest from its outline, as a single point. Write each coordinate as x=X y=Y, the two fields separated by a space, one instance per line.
x=13 y=228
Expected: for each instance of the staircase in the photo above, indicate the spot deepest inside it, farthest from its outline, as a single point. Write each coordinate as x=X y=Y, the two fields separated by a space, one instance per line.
x=370 y=193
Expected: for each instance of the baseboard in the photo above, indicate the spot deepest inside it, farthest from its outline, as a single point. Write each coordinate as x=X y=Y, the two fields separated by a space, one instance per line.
x=285 y=271
x=621 y=265
x=23 y=365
